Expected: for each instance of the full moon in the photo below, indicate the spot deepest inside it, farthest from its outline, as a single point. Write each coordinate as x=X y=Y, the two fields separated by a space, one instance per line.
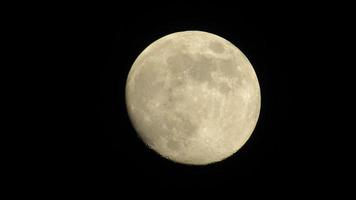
x=193 y=97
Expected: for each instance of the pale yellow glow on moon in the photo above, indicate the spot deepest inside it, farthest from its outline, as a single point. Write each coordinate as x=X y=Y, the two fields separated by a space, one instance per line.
x=193 y=97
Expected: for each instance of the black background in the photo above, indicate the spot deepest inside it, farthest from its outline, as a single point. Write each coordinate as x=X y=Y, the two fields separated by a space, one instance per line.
x=96 y=147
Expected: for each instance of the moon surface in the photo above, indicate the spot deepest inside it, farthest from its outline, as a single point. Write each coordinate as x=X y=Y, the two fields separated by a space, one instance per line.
x=193 y=97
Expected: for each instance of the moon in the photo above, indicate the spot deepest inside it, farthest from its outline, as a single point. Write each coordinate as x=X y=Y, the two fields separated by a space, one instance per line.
x=193 y=97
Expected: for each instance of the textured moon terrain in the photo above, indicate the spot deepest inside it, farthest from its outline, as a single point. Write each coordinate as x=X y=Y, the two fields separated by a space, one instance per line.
x=193 y=97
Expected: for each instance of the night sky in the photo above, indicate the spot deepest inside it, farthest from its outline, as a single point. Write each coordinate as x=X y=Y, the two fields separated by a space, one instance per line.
x=100 y=146
x=123 y=154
